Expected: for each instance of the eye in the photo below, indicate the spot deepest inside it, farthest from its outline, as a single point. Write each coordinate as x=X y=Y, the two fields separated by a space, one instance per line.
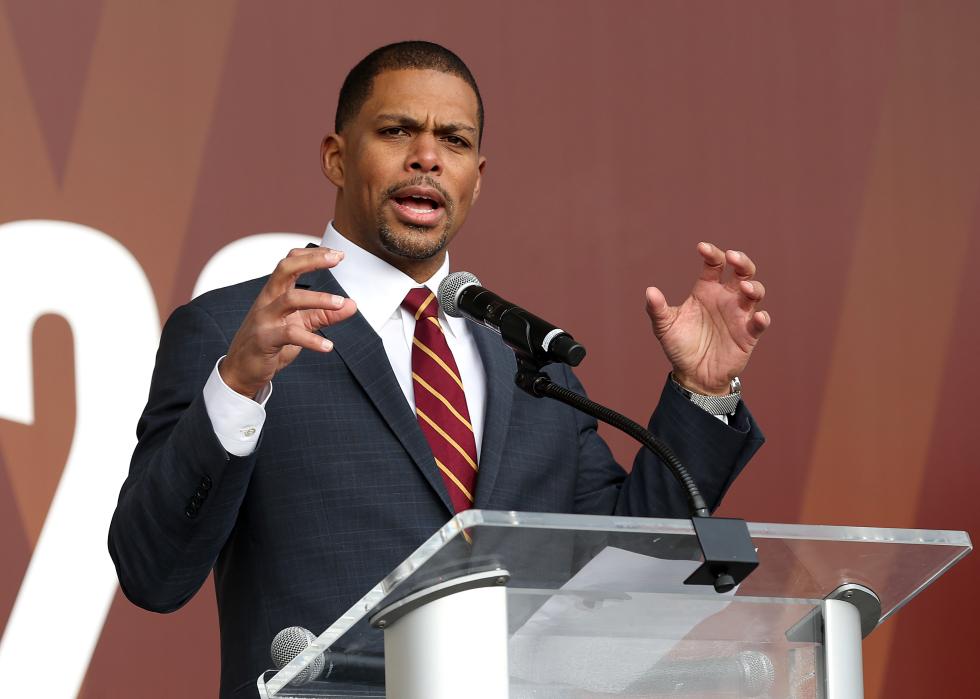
x=393 y=131
x=457 y=141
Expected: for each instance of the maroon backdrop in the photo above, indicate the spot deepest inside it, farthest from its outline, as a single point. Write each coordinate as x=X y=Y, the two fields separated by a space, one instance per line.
x=835 y=142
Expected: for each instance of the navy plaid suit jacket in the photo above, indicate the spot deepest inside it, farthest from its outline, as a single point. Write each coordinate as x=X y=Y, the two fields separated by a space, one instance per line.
x=342 y=485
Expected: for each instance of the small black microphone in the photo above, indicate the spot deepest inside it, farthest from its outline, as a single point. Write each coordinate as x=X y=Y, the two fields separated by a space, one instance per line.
x=461 y=296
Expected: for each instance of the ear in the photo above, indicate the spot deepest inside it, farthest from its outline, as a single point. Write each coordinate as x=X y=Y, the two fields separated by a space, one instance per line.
x=479 y=178
x=332 y=158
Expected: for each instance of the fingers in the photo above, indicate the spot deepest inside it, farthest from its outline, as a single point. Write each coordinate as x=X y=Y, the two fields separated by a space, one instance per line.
x=314 y=319
x=312 y=250
x=660 y=312
x=302 y=300
x=298 y=261
x=307 y=312
x=716 y=259
x=656 y=303
x=303 y=334
x=750 y=293
x=295 y=335
x=714 y=262
x=742 y=266
x=758 y=323
x=295 y=317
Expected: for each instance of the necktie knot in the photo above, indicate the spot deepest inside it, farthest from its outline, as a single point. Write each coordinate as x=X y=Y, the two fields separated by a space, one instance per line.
x=421 y=303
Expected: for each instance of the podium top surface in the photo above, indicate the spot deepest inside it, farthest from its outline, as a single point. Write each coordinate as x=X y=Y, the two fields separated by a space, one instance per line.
x=639 y=564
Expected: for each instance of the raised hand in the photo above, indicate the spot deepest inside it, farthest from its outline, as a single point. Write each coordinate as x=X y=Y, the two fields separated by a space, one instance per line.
x=710 y=337
x=283 y=321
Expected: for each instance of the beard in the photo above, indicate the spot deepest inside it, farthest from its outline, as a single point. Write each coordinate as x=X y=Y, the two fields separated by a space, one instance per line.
x=414 y=242
x=417 y=243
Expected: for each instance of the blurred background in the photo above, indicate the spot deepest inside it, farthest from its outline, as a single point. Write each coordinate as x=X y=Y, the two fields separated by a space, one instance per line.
x=835 y=142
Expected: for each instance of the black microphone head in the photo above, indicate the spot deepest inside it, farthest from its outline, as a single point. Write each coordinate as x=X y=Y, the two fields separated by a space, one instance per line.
x=450 y=289
x=564 y=348
x=289 y=643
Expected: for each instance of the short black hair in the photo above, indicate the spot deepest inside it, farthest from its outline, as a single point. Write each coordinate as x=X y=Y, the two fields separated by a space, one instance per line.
x=404 y=55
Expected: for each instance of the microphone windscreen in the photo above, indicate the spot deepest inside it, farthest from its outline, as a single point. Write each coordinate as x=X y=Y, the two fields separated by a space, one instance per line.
x=449 y=290
x=758 y=673
x=289 y=643
x=748 y=674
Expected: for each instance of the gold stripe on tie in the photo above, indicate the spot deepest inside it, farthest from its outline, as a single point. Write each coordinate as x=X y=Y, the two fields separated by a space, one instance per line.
x=437 y=360
x=428 y=300
x=454 y=479
x=449 y=439
x=442 y=400
x=435 y=321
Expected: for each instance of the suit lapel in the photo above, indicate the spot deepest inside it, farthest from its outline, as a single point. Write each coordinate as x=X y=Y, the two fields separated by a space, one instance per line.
x=360 y=348
x=500 y=367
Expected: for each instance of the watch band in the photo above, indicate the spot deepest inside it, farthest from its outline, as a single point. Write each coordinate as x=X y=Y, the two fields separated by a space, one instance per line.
x=716 y=405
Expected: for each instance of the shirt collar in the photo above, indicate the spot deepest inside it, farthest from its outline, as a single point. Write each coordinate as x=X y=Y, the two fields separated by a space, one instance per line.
x=376 y=286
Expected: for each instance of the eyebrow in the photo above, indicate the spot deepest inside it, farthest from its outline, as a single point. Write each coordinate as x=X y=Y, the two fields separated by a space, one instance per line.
x=405 y=120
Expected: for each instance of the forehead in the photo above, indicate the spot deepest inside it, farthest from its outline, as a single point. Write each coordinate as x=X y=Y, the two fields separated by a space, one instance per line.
x=423 y=95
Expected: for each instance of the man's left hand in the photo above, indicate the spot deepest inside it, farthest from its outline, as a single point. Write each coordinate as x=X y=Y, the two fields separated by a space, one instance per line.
x=710 y=337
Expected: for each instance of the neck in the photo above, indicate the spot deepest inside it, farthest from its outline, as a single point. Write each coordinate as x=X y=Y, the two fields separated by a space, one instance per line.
x=419 y=270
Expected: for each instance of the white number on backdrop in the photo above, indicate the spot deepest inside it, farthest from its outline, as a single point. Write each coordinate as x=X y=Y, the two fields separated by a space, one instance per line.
x=100 y=289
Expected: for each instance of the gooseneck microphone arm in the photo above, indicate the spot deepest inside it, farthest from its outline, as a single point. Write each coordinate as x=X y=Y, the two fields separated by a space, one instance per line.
x=535 y=382
x=729 y=555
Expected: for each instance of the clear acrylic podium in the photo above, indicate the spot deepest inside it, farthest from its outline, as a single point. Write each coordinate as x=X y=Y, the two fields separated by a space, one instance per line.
x=512 y=604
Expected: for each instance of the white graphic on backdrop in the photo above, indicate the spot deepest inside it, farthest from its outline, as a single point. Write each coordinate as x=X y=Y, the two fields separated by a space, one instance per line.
x=100 y=289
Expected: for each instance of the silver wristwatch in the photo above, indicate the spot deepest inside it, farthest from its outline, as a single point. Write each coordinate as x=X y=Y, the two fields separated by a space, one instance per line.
x=716 y=405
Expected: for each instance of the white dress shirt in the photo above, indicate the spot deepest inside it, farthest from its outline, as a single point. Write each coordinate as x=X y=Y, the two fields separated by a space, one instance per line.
x=378 y=289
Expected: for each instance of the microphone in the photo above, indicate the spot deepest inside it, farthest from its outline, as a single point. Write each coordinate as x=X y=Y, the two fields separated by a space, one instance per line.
x=359 y=667
x=748 y=674
x=461 y=296
x=289 y=643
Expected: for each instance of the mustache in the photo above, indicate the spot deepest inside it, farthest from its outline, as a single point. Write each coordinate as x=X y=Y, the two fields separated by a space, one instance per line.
x=421 y=181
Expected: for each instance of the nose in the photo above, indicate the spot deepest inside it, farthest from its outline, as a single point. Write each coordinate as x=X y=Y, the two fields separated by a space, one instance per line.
x=424 y=155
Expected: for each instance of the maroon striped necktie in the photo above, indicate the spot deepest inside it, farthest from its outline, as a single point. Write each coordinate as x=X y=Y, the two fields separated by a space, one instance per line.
x=440 y=404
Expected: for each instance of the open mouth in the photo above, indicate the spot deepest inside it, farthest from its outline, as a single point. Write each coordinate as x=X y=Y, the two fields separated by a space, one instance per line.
x=418 y=205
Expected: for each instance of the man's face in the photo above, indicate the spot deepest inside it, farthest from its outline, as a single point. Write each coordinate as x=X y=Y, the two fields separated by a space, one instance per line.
x=407 y=168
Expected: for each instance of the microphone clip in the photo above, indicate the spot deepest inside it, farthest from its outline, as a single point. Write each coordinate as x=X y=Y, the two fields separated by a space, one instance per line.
x=729 y=554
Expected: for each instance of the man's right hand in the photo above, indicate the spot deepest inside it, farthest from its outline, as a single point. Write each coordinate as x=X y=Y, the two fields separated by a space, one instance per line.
x=282 y=321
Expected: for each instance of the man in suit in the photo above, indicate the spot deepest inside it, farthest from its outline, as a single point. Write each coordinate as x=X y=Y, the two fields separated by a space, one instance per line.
x=386 y=415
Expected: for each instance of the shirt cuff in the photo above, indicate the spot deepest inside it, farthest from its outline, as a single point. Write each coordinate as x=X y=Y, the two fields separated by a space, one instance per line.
x=237 y=421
